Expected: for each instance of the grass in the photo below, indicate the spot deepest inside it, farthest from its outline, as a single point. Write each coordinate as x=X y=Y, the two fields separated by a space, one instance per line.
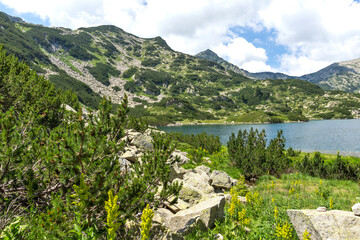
x=290 y=191
x=328 y=158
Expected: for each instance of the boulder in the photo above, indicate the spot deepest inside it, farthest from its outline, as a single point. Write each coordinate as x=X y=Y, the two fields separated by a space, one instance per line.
x=176 y=172
x=178 y=206
x=130 y=155
x=143 y=142
x=203 y=170
x=124 y=164
x=356 y=209
x=208 y=211
x=162 y=215
x=181 y=156
x=199 y=180
x=333 y=224
x=190 y=194
x=221 y=180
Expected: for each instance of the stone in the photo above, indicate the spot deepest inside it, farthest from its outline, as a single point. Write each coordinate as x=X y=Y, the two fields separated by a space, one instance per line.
x=321 y=209
x=143 y=142
x=180 y=205
x=200 y=181
x=218 y=237
x=190 y=194
x=176 y=172
x=203 y=169
x=333 y=224
x=208 y=211
x=130 y=155
x=125 y=165
x=162 y=215
x=221 y=180
x=356 y=209
x=182 y=158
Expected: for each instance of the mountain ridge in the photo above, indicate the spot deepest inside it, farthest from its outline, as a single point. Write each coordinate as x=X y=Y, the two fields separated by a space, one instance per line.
x=163 y=86
x=343 y=76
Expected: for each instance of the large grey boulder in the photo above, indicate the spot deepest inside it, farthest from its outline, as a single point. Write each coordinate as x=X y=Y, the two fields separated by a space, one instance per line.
x=208 y=211
x=333 y=224
x=143 y=142
x=180 y=155
x=219 y=179
x=199 y=180
x=189 y=193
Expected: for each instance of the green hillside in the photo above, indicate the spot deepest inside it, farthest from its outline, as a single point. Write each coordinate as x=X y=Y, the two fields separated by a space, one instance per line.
x=163 y=86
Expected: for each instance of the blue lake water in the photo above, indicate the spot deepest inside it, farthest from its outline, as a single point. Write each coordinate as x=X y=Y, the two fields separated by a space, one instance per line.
x=327 y=136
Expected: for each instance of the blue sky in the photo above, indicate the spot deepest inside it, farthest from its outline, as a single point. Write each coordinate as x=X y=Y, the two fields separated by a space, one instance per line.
x=295 y=37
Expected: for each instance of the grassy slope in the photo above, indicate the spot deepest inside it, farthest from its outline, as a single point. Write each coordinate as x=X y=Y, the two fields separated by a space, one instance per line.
x=306 y=193
x=185 y=89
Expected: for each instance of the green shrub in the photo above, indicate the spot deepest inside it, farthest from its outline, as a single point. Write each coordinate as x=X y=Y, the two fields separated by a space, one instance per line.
x=102 y=72
x=249 y=153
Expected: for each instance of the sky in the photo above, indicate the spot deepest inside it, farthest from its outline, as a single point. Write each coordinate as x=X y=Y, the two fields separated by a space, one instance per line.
x=295 y=37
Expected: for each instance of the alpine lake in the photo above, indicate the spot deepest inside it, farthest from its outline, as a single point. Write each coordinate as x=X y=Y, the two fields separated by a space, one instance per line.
x=325 y=136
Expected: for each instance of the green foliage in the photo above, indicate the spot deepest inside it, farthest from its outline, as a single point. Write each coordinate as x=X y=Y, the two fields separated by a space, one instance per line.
x=14 y=230
x=129 y=72
x=249 y=153
x=102 y=72
x=210 y=143
x=338 y=169
x=137 y=124
x=41 y=159
x=150 y=62
x=85 y=94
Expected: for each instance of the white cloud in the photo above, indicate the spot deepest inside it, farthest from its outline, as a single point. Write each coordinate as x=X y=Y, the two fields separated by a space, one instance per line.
x=315 y=32
x=244 y=54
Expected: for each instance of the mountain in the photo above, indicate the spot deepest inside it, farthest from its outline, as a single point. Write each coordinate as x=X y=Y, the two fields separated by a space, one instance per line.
x=212 y=56
x=344 y=76
x=163 y=86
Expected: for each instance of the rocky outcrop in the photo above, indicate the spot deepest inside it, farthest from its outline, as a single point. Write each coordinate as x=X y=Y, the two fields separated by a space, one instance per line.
x=200 y=204
x=221 y=180
x=201 y=200
x=356 y=209
x=333 y=224
x=207 y=212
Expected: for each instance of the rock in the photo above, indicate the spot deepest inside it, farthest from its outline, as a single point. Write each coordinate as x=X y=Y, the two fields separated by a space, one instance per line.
x=218 y=237
x=208 y=211
x=129 y=155
x=162 y=215
x=190 y=194
x=181 y=156
x=321 y=209
x=203 y=169
x=180 y=205
x=356 y=209
x=199 y=180
x=143 y=142
x=176 y=172
x=333 y=224
x=124 y=164
x=69 y=108
x=131 y=134
x=221 y=180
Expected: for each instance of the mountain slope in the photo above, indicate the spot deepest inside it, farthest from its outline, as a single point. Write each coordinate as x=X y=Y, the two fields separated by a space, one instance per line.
x=212 y=56
x=163 y=86
x=343 y=76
